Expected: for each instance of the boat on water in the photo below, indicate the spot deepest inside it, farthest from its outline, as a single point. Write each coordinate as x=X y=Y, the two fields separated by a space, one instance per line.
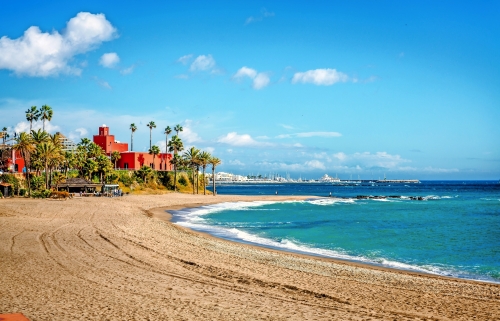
x=328 y=179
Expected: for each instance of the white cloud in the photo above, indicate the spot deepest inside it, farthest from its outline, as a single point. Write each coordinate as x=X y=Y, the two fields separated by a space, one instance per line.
x=185 y=59
x=109 y=60
x=77 y=134
x=211 y=150
x=102 y=83
x=236 y=162
x=245 y=71
x=187 y=134
x=24 y=126
x=314 y=164
x=234 y=139
x=128 y=70
x=340 y=156
x=42 y=54
x=368 y=160
x=307 y=166
x=325 y=77
x=286 y=126
x=203 y=63
x=263 y=14
x=311 y=134
x=440 y=170
x=259 y=80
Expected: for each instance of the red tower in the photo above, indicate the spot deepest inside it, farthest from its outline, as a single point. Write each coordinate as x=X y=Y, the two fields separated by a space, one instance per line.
x=107 y=142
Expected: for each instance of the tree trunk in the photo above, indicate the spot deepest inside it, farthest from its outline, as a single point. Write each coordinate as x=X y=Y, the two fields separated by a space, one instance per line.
x=132 y=141
x=213 y=180
x=204 y=182
x=175 y=180
x=46 y=176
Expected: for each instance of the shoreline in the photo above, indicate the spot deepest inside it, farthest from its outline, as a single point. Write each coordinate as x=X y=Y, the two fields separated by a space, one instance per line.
x=119 y=258
x=163 y=213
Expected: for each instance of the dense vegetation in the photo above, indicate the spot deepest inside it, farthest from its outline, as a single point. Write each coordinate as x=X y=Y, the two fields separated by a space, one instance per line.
x=48 y=164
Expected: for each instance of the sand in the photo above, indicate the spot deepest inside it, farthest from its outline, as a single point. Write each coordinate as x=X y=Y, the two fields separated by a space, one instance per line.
x=118 y=259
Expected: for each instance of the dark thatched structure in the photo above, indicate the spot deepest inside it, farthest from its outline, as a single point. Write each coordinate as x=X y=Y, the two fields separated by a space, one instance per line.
x=77 y=185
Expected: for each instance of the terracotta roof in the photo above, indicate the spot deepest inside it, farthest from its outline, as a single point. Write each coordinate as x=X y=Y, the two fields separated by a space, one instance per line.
x=5 y=184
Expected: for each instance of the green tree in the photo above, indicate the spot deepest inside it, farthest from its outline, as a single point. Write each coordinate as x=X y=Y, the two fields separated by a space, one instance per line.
x=115 y=156
x=133 y=128
x=90 y=167
x=47 y=152
x=214 y=161
x=167 y=132
x=144 y=172
x=40 y=136
x=104 y=166
x=204 y=160
x=154 y=150
x=58 y=178
x=192 y=157
x=176 y=162
x=84 y=142
x=4 y=134
x=24 y=144
x=151 y=125
x=178 y=128
x=46 y=113
x=32 y=114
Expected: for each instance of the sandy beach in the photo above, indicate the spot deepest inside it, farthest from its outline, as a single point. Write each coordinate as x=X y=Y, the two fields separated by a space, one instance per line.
x=120 y=259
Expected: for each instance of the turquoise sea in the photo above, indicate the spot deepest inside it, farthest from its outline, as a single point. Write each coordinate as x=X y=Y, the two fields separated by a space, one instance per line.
x=453 y=230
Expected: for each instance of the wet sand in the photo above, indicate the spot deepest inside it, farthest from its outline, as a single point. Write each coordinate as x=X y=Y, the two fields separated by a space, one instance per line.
x=120 y=259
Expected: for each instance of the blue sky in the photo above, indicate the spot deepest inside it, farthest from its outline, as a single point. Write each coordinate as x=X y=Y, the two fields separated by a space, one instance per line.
x=306 y=88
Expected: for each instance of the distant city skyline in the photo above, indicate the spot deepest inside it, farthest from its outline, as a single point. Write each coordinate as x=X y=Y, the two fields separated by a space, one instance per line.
x=409 y=90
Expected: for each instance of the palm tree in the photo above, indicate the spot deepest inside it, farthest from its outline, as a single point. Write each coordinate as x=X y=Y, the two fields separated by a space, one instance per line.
x=46 y=114
x=192 y=156
x=115 y=156
x=154 y=150
x=175 y=145
x=151 y=125
x=178 y=128
x=214 y=161
x=167 y=132
x=40 y=136
x=204 y=161
x=133 y=128
x=47 y=152
x=32 y=114
x=175 y=161
x=58 y=178
x=4 y=134
x=84 y=142
x=24 y=144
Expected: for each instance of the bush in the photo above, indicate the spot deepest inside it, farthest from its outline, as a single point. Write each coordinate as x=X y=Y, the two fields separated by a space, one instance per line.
x=1 y=195
x=37 y=183
x=41 y=194
x=22 y=192
x=182 y=180
x=12 y=180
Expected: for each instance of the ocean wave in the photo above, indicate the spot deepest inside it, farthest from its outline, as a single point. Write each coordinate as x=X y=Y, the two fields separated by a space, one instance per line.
x=331 y=201
x=291 y=245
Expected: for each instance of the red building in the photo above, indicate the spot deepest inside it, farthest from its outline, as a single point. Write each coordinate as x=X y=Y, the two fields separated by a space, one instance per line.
x=15 y=163
x=129 y=159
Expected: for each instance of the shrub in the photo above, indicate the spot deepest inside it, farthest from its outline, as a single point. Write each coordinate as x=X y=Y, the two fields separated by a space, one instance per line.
x=1 y=195
x=37 y=183
x=41 y=193
x=182 y=180
x=22 y=192
x=12 y=180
